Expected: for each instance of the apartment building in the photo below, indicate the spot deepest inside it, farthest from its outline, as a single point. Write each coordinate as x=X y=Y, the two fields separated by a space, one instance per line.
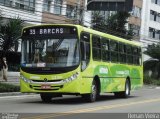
x=27 y=10
x=134 y=21
x=35 y=12
x=43 y=11
x=63 y=11
x=150 y=26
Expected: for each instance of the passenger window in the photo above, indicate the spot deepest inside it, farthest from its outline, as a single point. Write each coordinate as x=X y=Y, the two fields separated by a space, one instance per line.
x=135 y=56
x=85 y=50
x=96 y=43
x=129 y=54
x=139 y=56
x=122 y=53
x=114 y=51
x=113 y=46
x=105 y=49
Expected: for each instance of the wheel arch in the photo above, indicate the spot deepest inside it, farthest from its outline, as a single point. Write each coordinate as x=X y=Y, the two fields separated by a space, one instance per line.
x=97 y=80
x=129 y=79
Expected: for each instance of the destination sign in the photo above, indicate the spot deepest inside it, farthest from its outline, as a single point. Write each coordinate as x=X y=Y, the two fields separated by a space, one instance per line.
x=49 y=30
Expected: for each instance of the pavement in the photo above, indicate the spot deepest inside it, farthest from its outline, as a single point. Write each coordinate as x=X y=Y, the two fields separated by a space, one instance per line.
x=13 y=78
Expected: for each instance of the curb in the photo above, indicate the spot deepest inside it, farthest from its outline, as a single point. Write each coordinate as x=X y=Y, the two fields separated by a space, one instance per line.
x=10 y=94
x=157 y=87
x=14 y=94
x=151 y=87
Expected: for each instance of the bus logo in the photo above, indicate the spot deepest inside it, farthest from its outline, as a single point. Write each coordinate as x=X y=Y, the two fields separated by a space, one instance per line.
x=103 y=70
x=45 y=80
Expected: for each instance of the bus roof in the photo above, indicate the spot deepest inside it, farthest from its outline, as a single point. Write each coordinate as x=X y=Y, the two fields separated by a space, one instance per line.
x=89 y=30
x=111 y=36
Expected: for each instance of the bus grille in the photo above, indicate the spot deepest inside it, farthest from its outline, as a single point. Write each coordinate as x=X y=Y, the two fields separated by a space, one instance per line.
x=50 y=89
x=47 y=80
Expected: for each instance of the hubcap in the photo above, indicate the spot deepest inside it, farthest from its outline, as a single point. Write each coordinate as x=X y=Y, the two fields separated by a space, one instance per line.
x=127 y=89
x=93 y=91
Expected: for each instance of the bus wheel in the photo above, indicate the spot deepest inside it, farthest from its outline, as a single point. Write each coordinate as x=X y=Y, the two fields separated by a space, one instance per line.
x=91 y=97
x=46 y=97
x=126 y=93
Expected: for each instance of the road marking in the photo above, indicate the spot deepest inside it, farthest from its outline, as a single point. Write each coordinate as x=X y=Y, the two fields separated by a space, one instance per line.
x=92 y=109
x=157 y=87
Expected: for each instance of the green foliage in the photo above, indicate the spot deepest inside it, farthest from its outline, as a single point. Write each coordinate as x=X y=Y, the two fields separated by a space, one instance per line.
x=98 y=21
x=153 y=64
x=117 y=22
x=114 y=25
x=150 y=81
x=10 y=34
x=153 y=51
x=9 y=88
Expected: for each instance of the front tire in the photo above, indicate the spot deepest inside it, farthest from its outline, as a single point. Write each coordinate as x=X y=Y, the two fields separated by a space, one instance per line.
x=91 y=97
x=46 y=97
x=126 y=93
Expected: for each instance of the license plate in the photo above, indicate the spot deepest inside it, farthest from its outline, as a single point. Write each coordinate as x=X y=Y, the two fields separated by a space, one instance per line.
x=45 y=87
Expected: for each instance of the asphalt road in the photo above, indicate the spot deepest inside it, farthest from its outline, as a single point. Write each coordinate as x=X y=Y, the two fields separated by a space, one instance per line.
x=145 y=100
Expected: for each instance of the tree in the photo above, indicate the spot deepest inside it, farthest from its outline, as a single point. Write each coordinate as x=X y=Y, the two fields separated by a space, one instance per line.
x=114 y=25
x=153 y=64
x=98 y=21
x=10 y=34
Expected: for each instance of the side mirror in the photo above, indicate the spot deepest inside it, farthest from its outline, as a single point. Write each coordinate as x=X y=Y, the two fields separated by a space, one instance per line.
x=83 y=51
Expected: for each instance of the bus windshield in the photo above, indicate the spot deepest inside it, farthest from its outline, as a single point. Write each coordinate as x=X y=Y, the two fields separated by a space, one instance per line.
x=50 y=52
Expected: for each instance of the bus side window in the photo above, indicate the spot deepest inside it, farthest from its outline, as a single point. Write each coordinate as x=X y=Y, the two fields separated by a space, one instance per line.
x=96 y=47
x=129 y=54
x=135 y=56
x=139 y=56
x=122 y=53
x=85 y=50
x=114 y=51
x=105 y=49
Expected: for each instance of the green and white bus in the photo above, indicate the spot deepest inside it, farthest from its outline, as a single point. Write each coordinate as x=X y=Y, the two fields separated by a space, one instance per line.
x=71 y=59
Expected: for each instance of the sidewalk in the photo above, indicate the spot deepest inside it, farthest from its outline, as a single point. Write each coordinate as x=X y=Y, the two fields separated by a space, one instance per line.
x=13 y=78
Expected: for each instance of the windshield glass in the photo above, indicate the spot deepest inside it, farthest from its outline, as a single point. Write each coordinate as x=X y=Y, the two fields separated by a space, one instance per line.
x=50 y=52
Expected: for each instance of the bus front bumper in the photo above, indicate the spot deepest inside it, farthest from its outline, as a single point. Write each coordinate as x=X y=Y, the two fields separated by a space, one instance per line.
x=54 y=87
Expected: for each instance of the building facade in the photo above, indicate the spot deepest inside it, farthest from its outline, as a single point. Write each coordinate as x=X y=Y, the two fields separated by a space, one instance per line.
x=27 y=10
x=134 y=21
x=63 y=11
x=35 y=12
x=43 y=11
x=150 y=26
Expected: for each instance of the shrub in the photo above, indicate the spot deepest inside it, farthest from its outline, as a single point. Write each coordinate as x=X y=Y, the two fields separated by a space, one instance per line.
x=13 y=60
x=9 y=88
x=150 y=81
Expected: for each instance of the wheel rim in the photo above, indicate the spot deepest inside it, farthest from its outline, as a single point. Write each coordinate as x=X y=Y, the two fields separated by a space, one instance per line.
x=127 y=89
x=94 y=92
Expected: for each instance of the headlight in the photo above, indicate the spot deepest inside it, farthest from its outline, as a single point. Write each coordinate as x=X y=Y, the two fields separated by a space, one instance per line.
x=25 y=79
x=71 y=78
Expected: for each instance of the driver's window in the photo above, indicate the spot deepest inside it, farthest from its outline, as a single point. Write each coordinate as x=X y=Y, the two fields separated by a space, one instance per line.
x=85 y=50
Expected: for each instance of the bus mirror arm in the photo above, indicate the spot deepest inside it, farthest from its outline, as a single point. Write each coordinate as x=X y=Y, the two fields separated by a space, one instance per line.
x=83 y=51
x=83 y=56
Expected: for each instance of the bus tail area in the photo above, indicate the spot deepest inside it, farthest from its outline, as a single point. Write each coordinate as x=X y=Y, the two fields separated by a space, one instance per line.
x=70 y=59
